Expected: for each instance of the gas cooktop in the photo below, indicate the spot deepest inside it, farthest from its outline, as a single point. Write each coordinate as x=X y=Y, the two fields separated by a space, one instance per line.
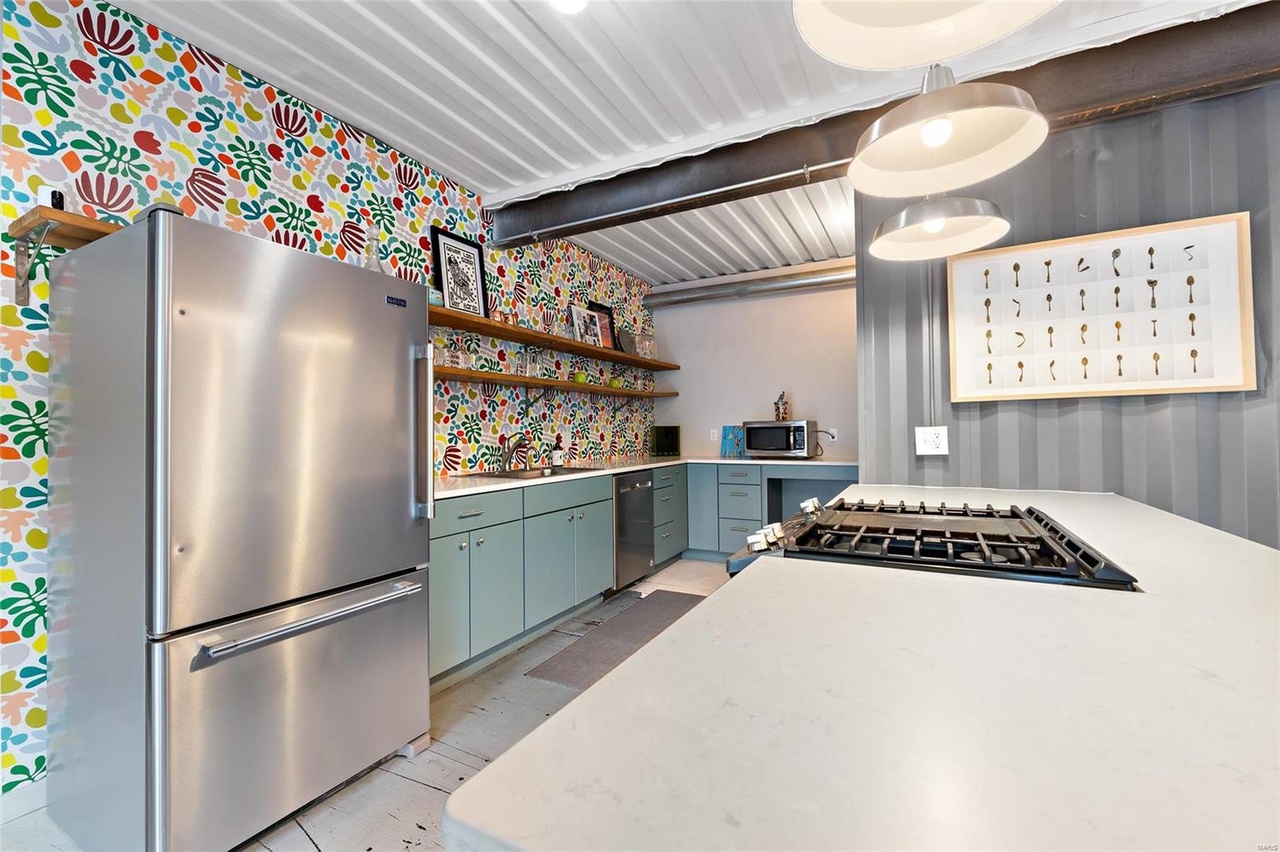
x=1013 y=543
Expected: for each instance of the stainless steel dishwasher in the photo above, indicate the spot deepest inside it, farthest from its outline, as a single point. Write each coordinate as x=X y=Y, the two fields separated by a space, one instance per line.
x=633 y=514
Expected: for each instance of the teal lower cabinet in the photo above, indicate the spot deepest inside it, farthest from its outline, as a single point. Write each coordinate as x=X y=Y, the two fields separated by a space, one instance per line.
x=497 y=585
x=448 y=585
x=549 y=582
x=593 y=549
x=476 y=588
x=704 y=514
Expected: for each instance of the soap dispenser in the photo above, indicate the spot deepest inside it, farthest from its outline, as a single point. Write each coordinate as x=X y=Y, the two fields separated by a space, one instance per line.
x=557 y=454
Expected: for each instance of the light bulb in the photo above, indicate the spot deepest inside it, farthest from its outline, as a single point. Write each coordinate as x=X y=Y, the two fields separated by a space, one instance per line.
x=569 y=7
x=935 y=133
x=933 y=226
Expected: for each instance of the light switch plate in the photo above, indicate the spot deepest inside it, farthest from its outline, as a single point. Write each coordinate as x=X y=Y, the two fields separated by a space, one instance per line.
x=931 y=441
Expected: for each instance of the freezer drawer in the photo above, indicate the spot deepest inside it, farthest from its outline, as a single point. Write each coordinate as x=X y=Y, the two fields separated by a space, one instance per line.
x=255 y=718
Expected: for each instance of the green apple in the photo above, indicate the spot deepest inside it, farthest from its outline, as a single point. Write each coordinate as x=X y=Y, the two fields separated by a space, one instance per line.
x=580 y=377
x=615 y=383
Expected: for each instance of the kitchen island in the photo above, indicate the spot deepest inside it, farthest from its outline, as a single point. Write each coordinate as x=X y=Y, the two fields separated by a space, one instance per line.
x=820 y=705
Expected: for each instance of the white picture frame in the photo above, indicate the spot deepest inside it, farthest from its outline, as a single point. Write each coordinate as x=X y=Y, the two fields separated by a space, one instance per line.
x=586 y=325
x=1075 y=317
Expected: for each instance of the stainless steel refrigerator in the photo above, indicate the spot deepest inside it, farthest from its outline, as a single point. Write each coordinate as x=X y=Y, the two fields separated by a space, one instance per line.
x=241 y=485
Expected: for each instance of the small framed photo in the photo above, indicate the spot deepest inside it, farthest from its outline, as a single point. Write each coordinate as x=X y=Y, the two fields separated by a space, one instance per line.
x=586 y=325
x=608 y=331
x=458 y=266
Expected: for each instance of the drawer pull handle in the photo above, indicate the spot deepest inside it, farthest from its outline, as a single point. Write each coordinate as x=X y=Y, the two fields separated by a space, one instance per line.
x=666 y=479
x=665 y=499
x=474 y=513
x=570 y=517
x=479 y=542
x=218 y=650
x=737 y=494
x=741 y=475
x=581 y=516
x=666 y=535
x=462 y=546
x=739 y=529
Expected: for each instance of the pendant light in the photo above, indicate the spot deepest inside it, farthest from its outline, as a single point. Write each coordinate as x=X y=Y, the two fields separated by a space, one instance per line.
x=947 y=137
x=938 y=227
x=881 y=35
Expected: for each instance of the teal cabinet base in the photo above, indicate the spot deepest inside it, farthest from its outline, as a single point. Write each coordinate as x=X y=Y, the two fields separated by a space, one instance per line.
x=497 y=585
x=448 y=603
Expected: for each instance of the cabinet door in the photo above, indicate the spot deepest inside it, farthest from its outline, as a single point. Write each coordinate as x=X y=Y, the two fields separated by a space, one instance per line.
x=449 y=615
x=594 y=541
x=704 y=507
x=548 y=565
x=497 y=585
x=681 y=520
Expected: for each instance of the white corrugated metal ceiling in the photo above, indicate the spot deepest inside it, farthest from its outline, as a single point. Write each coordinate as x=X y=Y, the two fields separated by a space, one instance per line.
x=786 y=228
x=513 y=98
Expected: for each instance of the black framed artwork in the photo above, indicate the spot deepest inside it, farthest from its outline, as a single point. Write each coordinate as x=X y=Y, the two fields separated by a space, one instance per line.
x=608 y=331
x=458 y=266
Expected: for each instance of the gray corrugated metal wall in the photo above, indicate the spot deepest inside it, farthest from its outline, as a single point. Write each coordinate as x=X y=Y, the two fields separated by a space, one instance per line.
x=1211 y=457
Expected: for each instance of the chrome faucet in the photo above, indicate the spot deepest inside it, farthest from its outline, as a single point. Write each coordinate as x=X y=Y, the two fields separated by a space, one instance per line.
x=521 y=440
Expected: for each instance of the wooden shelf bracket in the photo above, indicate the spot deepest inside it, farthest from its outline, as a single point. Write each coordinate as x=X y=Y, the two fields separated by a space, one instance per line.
x=25 y=251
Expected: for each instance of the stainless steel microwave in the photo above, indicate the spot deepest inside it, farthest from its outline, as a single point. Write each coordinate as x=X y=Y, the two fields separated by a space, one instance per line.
x=792 y=439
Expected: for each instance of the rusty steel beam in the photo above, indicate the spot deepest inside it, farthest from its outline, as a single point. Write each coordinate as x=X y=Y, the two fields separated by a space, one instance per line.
x=1191 y=62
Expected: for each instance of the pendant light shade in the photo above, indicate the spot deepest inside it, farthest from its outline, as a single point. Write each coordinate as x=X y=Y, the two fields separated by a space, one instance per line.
x=881 y=35
x=938 y=227
x=948 y=137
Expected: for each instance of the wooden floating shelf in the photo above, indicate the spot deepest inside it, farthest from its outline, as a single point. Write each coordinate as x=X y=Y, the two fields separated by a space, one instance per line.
x=518 y=334
x=481 y=377
x=71 y=230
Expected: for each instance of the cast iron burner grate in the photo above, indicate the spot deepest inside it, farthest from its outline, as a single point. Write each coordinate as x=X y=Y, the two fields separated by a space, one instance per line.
x=1013 y=543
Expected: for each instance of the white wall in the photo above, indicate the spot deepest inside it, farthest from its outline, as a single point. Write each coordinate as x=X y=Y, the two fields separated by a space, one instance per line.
x=737 y=355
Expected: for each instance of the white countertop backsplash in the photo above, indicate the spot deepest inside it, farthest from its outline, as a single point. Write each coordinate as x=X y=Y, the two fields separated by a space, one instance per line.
x=821 y=705
x=454 y=485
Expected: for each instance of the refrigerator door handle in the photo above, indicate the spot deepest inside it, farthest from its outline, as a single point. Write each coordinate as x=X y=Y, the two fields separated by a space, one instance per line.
x=215 y=651
x=422 y=446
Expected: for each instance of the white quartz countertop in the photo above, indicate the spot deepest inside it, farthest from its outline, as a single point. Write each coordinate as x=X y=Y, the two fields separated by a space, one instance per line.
x=469 y=484
x=821 y=705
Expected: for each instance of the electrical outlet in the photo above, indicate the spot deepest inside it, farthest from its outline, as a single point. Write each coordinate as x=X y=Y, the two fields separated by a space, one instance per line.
x=835 y=434
x=931 y=441
x=714 y=436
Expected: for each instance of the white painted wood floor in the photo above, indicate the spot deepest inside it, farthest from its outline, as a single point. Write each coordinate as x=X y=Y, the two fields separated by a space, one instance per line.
x=398 y=806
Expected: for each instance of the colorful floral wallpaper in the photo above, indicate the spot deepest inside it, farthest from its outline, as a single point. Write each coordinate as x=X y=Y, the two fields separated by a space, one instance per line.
x=119 y=114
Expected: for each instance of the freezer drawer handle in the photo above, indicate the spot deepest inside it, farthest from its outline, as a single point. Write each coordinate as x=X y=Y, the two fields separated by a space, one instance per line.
x=219 y=650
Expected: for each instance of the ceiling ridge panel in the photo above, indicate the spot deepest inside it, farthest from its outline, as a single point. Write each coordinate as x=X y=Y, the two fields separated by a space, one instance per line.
x=727 y=238
x=697 y=262
x=562 y=78
x=527 y=97
x=289 y=83
x=671 y=52
x=456 y=80
x=668 y=129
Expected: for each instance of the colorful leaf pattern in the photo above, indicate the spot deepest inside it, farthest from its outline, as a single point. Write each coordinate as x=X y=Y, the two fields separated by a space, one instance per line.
x=119 y=115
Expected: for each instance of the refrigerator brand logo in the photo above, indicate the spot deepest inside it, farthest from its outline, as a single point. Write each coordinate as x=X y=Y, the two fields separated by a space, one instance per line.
x=399 y=303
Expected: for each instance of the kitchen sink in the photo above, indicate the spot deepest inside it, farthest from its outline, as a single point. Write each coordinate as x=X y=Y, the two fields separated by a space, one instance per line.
x=535 y=473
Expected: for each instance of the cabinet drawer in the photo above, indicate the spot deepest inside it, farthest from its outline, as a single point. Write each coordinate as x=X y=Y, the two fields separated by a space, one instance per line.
x=740 y=501
x=733 y=534
x=666 y=543
x=669 y=476
x=283 y=702
x=740 y=474
x=664 y=506
x=462 y=514
x=541 y=499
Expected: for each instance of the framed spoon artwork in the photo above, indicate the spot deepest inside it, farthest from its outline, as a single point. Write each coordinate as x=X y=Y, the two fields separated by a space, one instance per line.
x=1159 y=309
